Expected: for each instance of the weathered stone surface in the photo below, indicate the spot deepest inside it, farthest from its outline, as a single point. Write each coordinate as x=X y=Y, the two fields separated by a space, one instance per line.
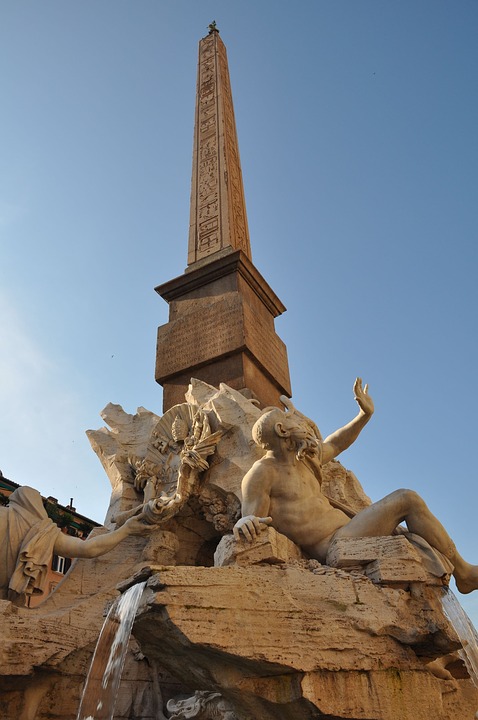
x=270 y=547
x=353 y=552
x=221 y=329
x=386 y=560
x=127 y=435
x=342 y=485
x=45 y=652
x=293 y=642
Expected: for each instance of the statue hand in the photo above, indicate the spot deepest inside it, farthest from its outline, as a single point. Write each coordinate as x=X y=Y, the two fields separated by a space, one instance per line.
x=140 y=482
x=250 y=526
x=362 y=397
x=136 y=525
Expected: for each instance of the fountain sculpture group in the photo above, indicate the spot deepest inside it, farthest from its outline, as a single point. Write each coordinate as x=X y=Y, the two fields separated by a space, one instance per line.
x=236 y=627
x=268 y=586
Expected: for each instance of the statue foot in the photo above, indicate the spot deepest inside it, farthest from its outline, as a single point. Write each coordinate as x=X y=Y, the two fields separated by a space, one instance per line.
x=438 y=668
x=467 y=581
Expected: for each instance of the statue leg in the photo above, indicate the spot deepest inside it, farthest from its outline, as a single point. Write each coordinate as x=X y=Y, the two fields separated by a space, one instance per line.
x=382 y=517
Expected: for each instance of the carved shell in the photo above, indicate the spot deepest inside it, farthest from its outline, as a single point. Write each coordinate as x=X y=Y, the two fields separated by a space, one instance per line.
x=184 y=413
x=179 y=429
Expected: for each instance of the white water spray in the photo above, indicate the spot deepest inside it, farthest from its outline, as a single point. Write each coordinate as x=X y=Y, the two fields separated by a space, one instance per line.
x=466 y=632
x=102 y=682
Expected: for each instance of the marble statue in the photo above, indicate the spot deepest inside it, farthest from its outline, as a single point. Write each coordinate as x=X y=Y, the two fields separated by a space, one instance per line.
x=283 y=489
x=203 y=705
x=169 y=471
x=28 y=538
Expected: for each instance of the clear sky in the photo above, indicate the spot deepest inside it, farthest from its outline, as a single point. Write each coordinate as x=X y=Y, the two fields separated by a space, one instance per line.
x=357 y=126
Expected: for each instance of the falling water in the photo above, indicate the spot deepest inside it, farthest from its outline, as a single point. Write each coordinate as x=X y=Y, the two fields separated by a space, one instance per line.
x=466 y=632
x=100 y=691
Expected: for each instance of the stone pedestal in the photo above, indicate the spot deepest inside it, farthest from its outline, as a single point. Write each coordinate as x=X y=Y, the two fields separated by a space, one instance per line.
x=221 y=329
x=303 y=641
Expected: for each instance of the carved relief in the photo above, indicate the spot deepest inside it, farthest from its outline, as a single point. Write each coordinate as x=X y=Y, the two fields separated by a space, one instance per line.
x=207 y=208
x=239 y=231
x=210 y=229
x=203 y=705
x=220 y=509
x=168 y=473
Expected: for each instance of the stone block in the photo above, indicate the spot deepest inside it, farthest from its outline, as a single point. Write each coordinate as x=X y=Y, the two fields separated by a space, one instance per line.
x=386 y=560
x=270 y=547
x=396 y=570
x=353 y=552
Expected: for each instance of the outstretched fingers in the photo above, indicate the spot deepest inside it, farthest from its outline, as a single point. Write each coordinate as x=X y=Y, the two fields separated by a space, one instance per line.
x=362 y=397
x=358 y=387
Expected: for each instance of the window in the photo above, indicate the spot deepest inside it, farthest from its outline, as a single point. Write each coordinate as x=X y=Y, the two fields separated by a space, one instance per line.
x=60 y=564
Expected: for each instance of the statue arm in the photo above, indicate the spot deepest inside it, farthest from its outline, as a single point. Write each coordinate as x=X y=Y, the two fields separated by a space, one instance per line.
x=256 y=489
x=73 y=547
x=343 y=438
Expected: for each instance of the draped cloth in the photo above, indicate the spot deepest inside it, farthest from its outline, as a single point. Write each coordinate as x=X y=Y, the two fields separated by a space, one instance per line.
x=432 y=559
x=28 y=542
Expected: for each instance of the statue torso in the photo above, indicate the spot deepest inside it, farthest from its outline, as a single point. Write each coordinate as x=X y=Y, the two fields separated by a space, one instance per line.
x=299 y=509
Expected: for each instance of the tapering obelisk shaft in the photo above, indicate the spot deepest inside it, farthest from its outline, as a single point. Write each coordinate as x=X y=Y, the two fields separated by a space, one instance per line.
x=221 y=311
x=218 y=210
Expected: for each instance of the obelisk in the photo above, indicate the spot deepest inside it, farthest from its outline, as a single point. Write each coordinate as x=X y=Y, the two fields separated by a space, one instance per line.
x=221 y=310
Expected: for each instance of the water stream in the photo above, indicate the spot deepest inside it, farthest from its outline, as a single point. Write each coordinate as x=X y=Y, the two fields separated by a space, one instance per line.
x=103 y=679
x=466 y=632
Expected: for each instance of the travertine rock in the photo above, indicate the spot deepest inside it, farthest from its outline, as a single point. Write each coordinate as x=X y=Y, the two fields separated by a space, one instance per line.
x=386 y=560
x=342 y=485
x=270 y=547
x=290 y=642
x=128 y=435
x=273 y=634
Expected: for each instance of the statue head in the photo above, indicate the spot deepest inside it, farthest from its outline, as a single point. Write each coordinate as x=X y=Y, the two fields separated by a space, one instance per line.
x=288 y=427
x=264 y=429
x=195 y=706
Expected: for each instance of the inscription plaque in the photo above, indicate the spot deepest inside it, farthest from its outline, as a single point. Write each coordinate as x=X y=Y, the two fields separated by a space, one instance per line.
x=199 y=337
x=227 y=326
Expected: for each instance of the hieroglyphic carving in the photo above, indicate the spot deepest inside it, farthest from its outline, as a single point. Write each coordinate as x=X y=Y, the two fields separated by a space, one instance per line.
x=218 y=214
x=207 y=201
x=238 y=222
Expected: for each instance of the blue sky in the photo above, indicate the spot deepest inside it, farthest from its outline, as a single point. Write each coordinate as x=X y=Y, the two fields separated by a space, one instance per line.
x=357 y=129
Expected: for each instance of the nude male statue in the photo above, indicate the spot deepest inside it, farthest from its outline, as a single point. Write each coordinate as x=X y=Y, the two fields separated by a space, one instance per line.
x=283 y=489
